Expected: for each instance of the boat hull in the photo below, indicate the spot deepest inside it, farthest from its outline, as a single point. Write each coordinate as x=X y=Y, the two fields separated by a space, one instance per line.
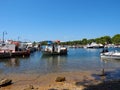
x=5 y=55
x=110 y=55
x=20 y=53
x=54 y=53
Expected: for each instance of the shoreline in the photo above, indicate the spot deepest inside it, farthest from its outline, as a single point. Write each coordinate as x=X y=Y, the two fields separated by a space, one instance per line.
x=47 y=81
x=75 y=80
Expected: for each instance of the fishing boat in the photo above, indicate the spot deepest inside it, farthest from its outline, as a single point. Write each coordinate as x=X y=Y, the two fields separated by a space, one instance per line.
x=60 y=51
x=12 y=50
x=110 y=55
x=5 y=55
x=20 y=53
x=54 y=49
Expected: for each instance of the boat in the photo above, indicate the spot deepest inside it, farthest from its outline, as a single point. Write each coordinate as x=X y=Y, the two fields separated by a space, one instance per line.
x=5 y=55
x=110 y=55
x=54 y=49
x=94 y=45
x=62 y=51
x=20 y=53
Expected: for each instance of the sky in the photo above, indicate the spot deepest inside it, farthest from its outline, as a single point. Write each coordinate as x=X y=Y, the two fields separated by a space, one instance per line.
x=64 y=20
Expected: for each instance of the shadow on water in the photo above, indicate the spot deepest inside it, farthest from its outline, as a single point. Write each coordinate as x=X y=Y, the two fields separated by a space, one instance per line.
x=111 y=81
x=105 y=74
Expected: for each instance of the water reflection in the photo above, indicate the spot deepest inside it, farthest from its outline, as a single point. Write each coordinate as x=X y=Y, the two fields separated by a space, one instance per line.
x=54 y=63
x=12 y=62
x=110 y=60
x=77 y=60
x=92 y=50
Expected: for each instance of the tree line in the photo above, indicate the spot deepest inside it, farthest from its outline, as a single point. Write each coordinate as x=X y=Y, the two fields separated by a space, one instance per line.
x=103 y=40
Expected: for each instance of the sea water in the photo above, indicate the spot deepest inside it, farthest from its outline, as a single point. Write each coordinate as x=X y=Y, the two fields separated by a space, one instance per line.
x=78 y=59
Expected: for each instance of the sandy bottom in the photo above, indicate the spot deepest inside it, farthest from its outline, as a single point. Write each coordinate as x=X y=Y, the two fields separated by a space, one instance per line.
x=47 y=81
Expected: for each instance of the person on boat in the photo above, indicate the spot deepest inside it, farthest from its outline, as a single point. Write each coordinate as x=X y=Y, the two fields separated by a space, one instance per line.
x=104 y=50
x=59 y=48
x=46 y=48
x=53 y=48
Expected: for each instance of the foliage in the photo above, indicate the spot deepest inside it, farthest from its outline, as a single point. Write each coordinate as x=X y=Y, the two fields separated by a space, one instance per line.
x=43 y=43
x=103 y=40
x=84 y=41
x=34 y=43
x=116 y=39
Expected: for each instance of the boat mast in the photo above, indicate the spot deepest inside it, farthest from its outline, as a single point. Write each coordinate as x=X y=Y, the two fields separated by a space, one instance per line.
x=4 y=35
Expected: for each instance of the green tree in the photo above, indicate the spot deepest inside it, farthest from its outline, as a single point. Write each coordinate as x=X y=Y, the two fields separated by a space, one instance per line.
x=34 y=43
x=98 y=40
x=116 y=39
x=84 y=41
x=90 y=41
x=43 y=43
x=107 y=40
x=104 y=40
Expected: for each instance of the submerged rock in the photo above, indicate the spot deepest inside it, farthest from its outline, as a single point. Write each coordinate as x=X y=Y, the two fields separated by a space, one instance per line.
x=52 y=89
x=31 y=87
x=5 y=82
x=60 y=79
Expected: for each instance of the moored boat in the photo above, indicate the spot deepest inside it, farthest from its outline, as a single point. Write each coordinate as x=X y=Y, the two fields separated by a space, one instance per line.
x=94 y=45
x=5 y=55
x=20 y=53
x=54 y=49
x=110 y=55
x=62 y=51
x=12 y=50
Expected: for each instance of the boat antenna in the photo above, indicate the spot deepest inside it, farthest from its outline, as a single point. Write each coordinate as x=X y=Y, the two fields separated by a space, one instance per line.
x=4 y=35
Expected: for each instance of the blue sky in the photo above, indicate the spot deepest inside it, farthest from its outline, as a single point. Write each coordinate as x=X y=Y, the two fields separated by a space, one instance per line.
x=36 y=20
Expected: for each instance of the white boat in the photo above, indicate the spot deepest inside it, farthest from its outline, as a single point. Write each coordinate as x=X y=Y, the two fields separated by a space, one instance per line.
x=110 y=55
x=94 y=45
x=58 y=50
x=54 y=49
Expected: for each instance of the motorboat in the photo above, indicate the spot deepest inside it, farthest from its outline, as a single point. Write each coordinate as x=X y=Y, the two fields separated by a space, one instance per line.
x=94 y=45
x=54 y=49
x=57 y=50
x=110 y=55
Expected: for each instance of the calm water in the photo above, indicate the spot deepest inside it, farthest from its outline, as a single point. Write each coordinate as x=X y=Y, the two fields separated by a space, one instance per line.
x=77 y=60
